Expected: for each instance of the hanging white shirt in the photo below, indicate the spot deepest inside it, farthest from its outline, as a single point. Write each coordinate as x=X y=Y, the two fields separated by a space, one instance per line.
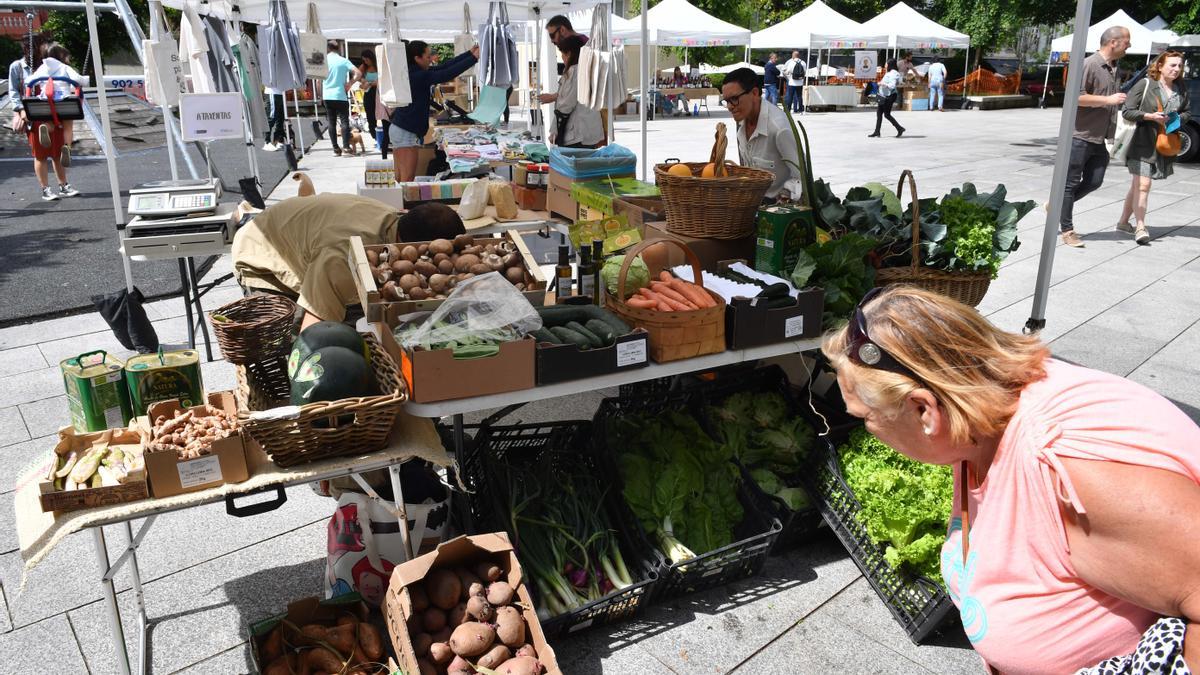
x=193 y=51
x=772 y=147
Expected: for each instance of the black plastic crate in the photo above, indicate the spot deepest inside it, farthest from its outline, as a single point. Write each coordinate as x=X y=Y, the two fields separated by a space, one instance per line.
x=753 y=537
x=556 y=442
x=919 y=605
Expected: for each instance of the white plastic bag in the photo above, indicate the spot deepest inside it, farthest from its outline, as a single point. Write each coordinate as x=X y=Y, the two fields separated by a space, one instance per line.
x=474 y=200
x=312 y=46
x=163 y=71
x=486 y=307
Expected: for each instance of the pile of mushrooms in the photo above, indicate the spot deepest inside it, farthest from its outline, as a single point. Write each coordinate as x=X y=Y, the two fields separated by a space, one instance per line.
x=430 y=271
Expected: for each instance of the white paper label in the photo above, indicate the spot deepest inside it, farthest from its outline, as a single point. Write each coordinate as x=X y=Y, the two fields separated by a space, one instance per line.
x=768 y=243
x=199 y=471
x=113 y=377
x=630 y=353
x=113 y=419
x=793 y=326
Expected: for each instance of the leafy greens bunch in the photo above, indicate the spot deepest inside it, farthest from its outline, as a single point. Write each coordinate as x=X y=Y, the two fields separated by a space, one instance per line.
x=905 y=504
x=971 y=231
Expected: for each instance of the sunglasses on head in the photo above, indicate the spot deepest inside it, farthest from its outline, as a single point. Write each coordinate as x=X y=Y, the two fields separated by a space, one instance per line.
x=866 y=353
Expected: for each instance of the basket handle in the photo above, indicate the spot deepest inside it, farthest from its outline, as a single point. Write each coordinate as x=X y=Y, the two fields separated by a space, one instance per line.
x=647 y=243
x=916 y=209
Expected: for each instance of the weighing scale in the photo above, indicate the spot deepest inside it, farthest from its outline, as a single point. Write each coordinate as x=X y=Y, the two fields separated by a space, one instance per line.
x=163 y=198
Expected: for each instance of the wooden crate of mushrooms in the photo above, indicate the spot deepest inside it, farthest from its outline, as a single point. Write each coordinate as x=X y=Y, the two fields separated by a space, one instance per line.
x=396 y=279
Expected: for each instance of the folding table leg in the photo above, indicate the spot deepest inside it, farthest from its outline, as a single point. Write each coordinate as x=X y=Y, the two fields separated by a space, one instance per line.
x=398 y=495
x=195 y=291
x=186 y=289
x=139 y=595
x=110 y=601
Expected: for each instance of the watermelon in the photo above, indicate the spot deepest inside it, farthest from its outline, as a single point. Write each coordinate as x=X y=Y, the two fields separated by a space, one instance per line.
x=325 y=334
x=330 y=374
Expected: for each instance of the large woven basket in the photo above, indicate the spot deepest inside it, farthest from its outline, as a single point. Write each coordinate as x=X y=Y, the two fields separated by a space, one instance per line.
x=673 y=335
x=254 y=328
x=965 y=287
x=263 y=385
x=713 y=208
x=349 y=426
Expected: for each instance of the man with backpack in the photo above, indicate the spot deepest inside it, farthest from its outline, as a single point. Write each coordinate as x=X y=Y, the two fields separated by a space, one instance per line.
x=794 y=70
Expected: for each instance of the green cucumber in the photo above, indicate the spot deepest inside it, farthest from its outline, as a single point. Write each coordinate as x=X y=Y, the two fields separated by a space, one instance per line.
x=544 y=335
x=560 y=315
x=777 y=290
x=465 y=352
x=593 y=339
x=570 y=337
x=602 y=330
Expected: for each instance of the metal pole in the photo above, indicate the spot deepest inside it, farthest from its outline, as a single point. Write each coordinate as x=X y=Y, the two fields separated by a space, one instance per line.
x=155 y=31
x=110 y=595
x=106 y=125
x=299 y=122
x=1058 y=185
x=610 y=99
x=398 y=496
x=967 y=73
x=138 y=594
x=643 y=67
x=1046 y=85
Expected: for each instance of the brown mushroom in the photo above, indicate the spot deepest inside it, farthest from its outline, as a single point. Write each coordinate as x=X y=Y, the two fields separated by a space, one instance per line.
x=410 y=253
x=465 y=262
x=463 y=240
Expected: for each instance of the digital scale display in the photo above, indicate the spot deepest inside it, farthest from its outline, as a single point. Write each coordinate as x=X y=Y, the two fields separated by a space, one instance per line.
x=173 y=198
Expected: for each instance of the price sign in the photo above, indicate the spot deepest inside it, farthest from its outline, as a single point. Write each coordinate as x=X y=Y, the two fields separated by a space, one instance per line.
x=206 y=117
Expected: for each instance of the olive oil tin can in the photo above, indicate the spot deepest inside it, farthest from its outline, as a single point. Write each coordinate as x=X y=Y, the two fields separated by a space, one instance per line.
x=163 y=376
x=96 y=393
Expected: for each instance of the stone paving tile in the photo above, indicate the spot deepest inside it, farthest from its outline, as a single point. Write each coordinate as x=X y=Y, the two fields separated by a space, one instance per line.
x=8 y=532
x=47 y=416
x=234 y=660
x=19 y=456
x=21 y=360
x=44 y=647
x=12 y=426
x=5 y=621
x=33 y=333
x=1174 y=380
x=1105 y=349
x=32 y=386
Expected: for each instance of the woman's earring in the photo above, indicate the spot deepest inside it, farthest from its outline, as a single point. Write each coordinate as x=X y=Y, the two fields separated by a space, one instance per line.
x=928 y=431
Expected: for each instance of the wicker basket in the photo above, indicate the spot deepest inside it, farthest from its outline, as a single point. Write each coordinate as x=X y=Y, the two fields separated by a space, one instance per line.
x=713 y=208
x=673 y=335
x=349 y=426
x=965 y=287
x=263 y=385
x=257 y=327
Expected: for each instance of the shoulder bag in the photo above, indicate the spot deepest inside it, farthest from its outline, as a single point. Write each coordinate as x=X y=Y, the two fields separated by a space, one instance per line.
x=312 y=46
x=1167 y=144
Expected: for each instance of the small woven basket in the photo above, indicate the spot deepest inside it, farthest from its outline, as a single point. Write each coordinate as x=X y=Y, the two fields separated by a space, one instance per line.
x=673 y=335
x=713 y=208
x=254 y=328
x=965 y=287
x=323 y=430
x=262 y=385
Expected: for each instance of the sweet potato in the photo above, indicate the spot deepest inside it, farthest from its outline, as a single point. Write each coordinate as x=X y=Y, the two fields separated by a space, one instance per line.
x=343 y=638
x=371 y=641
x=520 y=665
x=421 y=643
x=500 y=593
x=442 y=635
x=459 y=666
x=495 y=656
x=288 y=664
x=444 y=588
x=433 y=620
x=347 y=620
x=320 y=658
x=510 y=627
x=488 y=571
x=314 y=631
x=472 y=639
x=479 y=608
x=272 y=646
x=440 y=653
x=419 y=598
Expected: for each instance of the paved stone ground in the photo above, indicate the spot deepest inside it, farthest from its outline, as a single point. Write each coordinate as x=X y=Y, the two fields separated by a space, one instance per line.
x=1114 y=305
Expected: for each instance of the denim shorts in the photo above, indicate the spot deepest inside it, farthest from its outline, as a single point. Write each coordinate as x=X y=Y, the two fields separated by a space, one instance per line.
x=403 y=138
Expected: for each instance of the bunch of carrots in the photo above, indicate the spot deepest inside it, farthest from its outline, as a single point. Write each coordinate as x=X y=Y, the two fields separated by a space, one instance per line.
x=671 y=294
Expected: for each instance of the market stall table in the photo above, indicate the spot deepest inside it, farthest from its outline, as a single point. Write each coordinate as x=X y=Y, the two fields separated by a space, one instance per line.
x=38 y=533
x=831 y=95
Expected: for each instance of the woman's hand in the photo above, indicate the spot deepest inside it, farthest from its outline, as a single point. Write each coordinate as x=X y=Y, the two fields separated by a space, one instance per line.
x=475 y=51
x=1155 y=117
x=547 y=98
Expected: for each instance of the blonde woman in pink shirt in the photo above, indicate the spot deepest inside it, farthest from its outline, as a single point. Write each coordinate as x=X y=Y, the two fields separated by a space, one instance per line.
x=1079 y=491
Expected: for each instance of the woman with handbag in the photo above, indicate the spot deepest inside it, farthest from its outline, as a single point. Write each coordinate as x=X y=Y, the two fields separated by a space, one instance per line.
x=410 y=123
x=369 y=77
x=1154 y=103
x=889 y=91
x=575 y=125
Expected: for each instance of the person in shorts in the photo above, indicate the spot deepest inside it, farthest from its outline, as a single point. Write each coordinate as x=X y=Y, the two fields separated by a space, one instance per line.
x=410 y=123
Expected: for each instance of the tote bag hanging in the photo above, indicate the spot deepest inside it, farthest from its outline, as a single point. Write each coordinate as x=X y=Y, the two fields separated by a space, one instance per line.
x=312 y=46
x=392 y=60
x=279 y=50
x=163 y=69
x=497 y=49
x=1122 y=138
x=466 y=39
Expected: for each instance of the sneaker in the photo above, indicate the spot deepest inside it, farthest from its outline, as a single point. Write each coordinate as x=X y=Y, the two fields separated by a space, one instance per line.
x=337 y=152
x=270 y=147
x=1125 y=227
x=65 y=190
x=64 y=156
x=1141 y=236
x=44 y=135
x=48 y=194
x=1071 y=239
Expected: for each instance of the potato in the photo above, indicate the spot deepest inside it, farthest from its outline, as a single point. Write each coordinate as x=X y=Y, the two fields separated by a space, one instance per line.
x=342 y=638
x=434 y=619
x=515 y=275
x=479 y=609
x=465 y=262
x=320 y=658
x=314 y=631
x=444 y=588
x=500 y=593
x=410 y=253
x=440 y=653
x=488 y=571
x=468 y=578
x=510 y=626
x=446 y=267
x=288 y=664
x=420 y=600
x=423 y=249
x=475 y=589
x=458 y=616
x=272 y=646
x=479 y=268
x=425 y=667
x=520 y=665
x=402 y=267
x=347 y=619
x=472 y=639
x=459 y=666
x=371 y=641
x=372 y=257
x=409 y=282
x=426 y=268
x=495 y=656
x=442 y=635
x=420 y=644
x=527 y=650
x=463 y=240
x=441 y=246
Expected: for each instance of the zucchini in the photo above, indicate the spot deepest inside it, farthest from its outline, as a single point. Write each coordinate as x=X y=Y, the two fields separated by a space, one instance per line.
x=593 y=339
x=742 y=278
x=544 y=335
x=602 y=331
x=570 y=337
x=560 y=315
x=464 y=352
x=777 y=290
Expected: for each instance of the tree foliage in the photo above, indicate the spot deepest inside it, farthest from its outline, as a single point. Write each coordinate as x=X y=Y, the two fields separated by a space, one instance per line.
x=71 y=29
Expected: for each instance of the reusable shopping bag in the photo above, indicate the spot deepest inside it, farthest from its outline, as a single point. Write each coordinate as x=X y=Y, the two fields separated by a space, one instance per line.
x=392 y=61
x=312 y=46
x=497 y=49
x=163 y=69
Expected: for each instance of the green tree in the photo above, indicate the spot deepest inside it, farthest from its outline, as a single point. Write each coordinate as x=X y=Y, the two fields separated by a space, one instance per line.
x=71 y=29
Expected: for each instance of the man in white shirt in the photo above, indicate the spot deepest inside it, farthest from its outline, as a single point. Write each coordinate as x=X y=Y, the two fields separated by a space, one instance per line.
x=794 y=70
x=764 y=136
x=937 y=84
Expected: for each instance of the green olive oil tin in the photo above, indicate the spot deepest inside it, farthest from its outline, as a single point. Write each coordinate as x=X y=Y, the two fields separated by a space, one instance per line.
x=164 y=376
x=96 y=394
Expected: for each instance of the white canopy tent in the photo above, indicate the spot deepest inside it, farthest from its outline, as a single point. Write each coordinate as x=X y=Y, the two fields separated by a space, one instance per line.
x=678 y=23
x=709 y=69
x=1142 y=39
x=905 y=27
x=817 y=26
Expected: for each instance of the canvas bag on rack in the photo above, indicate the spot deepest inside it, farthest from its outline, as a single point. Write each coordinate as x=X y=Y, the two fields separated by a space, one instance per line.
x=498 y=62
x=466 y=39
x=312 y=46
x=364 y=542
x=163 y=69
x=391 y=58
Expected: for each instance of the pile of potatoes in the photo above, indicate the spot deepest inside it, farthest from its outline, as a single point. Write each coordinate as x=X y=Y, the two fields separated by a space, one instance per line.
x=430 y=271
x=190 y=434
x=468 y=621
x=351 y=647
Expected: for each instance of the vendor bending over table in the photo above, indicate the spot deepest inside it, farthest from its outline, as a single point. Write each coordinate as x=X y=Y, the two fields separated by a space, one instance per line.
x=764 y=134
x=299 y=247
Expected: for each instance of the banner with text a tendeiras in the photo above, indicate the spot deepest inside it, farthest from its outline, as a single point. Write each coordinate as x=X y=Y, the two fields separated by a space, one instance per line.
x=206 y=117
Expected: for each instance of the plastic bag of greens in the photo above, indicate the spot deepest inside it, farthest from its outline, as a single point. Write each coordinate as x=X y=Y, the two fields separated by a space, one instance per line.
x=478 y=315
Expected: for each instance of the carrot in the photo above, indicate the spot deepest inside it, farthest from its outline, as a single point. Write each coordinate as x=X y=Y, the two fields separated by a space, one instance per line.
x=665 y=276
x=664 y=303
x=642 y=303
x=665 y=290
x=693 y=292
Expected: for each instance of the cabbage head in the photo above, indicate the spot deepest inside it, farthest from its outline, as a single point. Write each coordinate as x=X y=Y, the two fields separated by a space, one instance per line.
x=638 y=276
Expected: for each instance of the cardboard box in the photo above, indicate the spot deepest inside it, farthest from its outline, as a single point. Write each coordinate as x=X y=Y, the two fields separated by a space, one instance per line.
x=640 y=210
x=560 y=363
x=782 y=231
x=134 y=488
x=530 y=199
x=302 y=613
x=435 y=375
x=392 y=195
x=530 y=174
x=378 y=310
x=709 y=251
x=600 y=194
x=464 y=550
x=227 y=462
x=559 y=200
